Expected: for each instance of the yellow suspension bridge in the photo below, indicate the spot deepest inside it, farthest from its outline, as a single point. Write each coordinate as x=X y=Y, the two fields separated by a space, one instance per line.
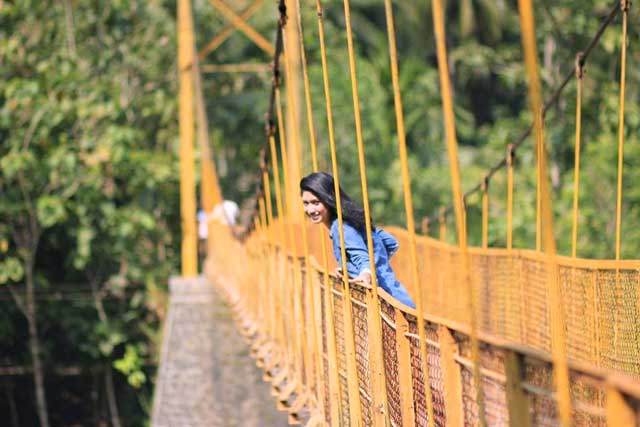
x=499 y=337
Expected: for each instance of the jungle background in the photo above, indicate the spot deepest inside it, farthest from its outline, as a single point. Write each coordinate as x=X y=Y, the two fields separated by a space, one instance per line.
x=89 y=183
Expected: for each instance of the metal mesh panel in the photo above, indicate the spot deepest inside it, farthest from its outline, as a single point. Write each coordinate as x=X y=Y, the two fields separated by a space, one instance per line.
x=323 y=307
x=344 y=398
x=338 y=321
x=327 y=393
x=493 y=384
x=434 y=360
x=390 y=356
x=305 y=320
x=361 y=337
x=435 y=375
x=469 y=392
x=325 y=350
x=578 y=292
x=495 y=399
x=417 y=377
x=495 y=402
x=589 y=400
x=495 y=281
x=536 y=327
x=539 y=387
x=619 y=317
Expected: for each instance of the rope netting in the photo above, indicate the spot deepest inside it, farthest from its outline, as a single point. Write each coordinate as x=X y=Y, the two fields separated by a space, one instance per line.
x=499 y=336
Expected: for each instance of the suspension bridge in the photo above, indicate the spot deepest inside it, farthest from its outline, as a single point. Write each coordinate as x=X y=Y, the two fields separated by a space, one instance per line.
x=501 y=336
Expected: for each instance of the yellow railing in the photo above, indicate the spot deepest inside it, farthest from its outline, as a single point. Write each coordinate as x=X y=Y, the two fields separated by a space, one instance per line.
x=263 y=281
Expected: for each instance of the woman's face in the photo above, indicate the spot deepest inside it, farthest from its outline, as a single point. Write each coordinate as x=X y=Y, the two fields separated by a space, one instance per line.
x=315 y=209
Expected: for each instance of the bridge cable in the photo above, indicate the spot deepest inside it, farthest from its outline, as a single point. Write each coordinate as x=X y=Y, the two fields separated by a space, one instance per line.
x=336 y=407
x=579 y=72
x=305 y=243
x=380 y=403
x=408 y=203
x=558 y=350
x=313 y=290
x=550 y=102
x=458 y=199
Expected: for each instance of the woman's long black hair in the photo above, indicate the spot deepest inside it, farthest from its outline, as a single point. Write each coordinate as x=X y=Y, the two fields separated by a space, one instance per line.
x=322 y=186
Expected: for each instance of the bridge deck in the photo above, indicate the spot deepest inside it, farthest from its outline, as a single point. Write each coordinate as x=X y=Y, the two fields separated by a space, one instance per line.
x=206 y=377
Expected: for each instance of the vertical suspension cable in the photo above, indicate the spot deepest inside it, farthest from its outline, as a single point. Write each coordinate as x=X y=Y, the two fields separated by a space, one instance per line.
x=576 y=170
x=281 y=240
x=210 y=193
x=264 y=217
x=624 y=4
x=314 y=166
x=380 y=404
x=283 y=151
x=561 y=371
x=305 y=241
x=329 y=109
x=352 y=375
x=485 y=213
x=510 y=156
x=538 y=144
x=276 y=295
x=295 y=209
x=307 y=94
x=294 y=294
x=458 y=199
x=408 y=203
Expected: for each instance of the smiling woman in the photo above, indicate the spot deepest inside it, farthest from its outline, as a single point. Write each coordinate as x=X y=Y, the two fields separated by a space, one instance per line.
x=319 y=200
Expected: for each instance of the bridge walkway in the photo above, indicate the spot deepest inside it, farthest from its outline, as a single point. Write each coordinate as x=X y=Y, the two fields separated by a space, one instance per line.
x=206 y=377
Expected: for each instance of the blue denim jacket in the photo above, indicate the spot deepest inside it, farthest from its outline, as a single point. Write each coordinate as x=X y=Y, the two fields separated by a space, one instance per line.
x=384 y=246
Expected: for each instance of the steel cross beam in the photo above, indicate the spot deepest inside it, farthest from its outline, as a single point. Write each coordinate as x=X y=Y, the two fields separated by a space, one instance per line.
x=239 y=23
x=227 y=31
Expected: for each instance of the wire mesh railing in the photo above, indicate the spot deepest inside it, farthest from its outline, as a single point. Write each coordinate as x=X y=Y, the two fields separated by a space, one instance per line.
x=516 y=369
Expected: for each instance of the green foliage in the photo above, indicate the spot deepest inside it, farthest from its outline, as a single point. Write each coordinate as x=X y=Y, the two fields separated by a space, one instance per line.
x=89 y=173
x=131 y=365
x=10 y=270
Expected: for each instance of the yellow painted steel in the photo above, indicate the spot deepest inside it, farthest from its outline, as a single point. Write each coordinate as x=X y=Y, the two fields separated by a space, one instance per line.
x=408 y=203
x=228 y=30
x=510 y=155
x=210 y=193
x=307 y=93
x=236 y=68
x=458 y=200
x=241 y=25
x=355 y=410
x=624 y=4
x=485 y=213
x=337 y=408
x=187 y=178
x=379 y=402
x=539 y=140
x=313 y=360
x=561 y=371
x=576 y=169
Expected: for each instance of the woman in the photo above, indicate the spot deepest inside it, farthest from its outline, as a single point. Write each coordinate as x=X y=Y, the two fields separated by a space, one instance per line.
x=319 y=200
